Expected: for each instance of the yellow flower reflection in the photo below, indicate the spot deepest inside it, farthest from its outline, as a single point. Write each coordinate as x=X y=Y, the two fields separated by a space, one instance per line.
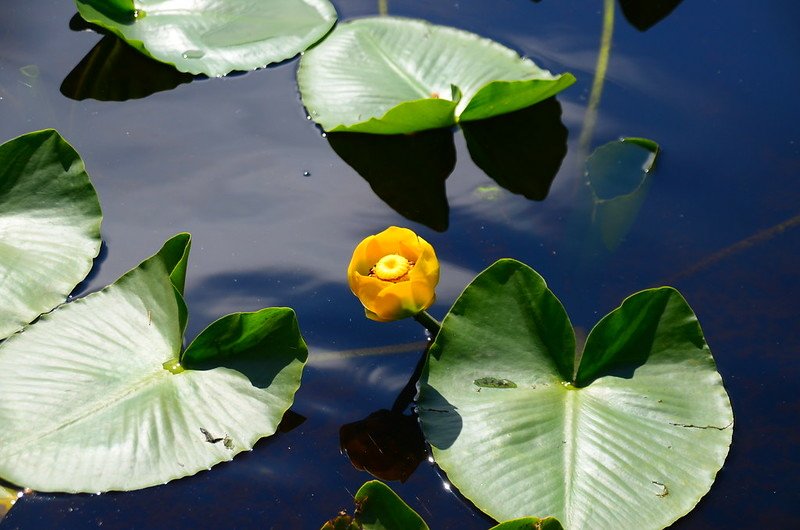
x=394 y=274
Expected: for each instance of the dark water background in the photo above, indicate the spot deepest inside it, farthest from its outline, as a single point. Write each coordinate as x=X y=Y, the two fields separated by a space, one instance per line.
x=715 y=83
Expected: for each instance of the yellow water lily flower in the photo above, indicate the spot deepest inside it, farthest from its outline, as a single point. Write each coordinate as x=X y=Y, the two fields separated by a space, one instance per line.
x=394 y=274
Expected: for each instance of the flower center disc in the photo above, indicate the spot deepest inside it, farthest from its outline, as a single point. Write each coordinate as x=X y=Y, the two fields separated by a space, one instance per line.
x=391 y=267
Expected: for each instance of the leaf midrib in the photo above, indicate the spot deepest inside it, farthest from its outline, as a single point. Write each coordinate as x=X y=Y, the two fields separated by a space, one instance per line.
x=415 y=83
x=20 y=445
x=571 y=409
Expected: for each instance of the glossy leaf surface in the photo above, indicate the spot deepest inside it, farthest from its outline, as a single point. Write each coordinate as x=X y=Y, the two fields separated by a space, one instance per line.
x=630 y=437
x=211 y=37
x=391 y=75
x=50 y=225
x=96 y=396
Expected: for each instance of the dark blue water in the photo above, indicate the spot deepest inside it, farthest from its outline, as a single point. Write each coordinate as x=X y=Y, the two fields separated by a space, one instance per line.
x=714 y=83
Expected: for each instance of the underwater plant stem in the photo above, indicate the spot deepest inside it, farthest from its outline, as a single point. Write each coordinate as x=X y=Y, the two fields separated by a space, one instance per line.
x=590 y=119
x=383 y=7
x=430 y=323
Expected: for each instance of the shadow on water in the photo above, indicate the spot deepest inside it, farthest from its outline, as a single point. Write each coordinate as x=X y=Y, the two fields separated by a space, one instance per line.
x=644 y=14
x=407 y=171
x=115 y=71
x=522 y=151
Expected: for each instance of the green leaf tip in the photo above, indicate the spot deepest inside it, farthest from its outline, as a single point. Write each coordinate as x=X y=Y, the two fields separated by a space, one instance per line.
x=50 y=217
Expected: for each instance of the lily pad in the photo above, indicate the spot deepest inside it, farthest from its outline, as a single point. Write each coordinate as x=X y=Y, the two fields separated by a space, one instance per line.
x=380 y=508
x=390 y=75
x=211 y=37
x=619 y=174
x=629 y=435
x=50 y=226
x=97 y=396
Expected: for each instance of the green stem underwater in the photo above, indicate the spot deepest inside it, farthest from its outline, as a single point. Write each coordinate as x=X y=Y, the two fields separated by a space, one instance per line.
x=590 y=118
x=383 y=7
x=430 y=323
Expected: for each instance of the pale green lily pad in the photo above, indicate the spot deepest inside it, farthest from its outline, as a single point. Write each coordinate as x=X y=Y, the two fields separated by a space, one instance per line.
x=210 y=37
x=630 y=436
x=390 y=75
x=97 y=396
x=49 y=226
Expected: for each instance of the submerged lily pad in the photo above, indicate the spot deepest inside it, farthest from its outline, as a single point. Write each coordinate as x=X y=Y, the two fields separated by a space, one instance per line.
x=619 y=175
x=96 y=395
x=390 y=75
x=629 y=435
x=211 y=37
x=50 y=226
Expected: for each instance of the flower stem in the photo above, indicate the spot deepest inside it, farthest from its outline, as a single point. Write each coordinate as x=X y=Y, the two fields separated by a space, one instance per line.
x=430 y=323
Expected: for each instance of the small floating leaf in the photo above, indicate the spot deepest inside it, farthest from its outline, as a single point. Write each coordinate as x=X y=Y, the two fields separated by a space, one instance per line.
x=619 y=175
x=631 y=437
x=391 y=75
x=49 y=222
x=211 y=37
x=89 y=404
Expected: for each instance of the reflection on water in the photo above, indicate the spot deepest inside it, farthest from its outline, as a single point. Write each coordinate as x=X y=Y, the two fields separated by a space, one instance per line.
x=644 y=14
x=114 y=71
x=521 y=151
x=407 y=171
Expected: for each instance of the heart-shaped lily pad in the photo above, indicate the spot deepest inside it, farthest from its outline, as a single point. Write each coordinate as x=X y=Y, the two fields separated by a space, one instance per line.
x=629 y=436
x=391 y=75
x=49 y=226
x=96 y=395
x=211 y=37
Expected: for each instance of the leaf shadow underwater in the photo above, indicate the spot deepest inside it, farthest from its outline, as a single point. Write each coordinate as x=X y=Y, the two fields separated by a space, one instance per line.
x=115 y=71
x=522 y=151
x=644 y=14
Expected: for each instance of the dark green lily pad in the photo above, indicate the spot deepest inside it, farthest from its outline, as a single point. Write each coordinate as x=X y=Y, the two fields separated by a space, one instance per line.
x=50 y=225
x=390 y=75
x=210 y=37
x=96 y=395
x=629 y=436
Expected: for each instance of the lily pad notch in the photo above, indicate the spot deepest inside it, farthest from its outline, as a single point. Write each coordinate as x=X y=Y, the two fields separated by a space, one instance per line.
x=391 y=75
x=629 y=435
x=97 y=395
